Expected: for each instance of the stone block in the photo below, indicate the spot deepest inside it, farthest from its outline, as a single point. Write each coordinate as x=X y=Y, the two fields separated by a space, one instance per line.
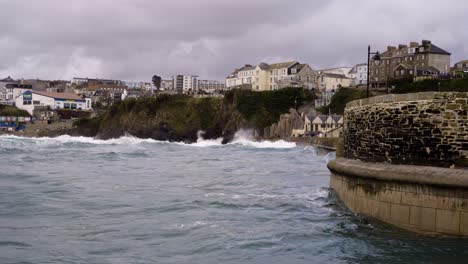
x=464 y=223
x=423 y=218
x=448 y=222
x=383 y=211
x=400 y=214
x=412 y=199
x=389 y=196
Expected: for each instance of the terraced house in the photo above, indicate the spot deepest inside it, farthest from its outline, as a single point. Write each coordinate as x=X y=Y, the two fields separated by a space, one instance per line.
x=417 y=61
x=265 y=77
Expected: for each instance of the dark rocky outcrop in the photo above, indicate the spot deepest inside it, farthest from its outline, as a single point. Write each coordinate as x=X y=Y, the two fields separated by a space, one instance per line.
x=180 y=118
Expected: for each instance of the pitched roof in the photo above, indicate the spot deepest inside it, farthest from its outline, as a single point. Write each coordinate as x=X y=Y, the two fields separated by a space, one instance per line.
x=282 y=65
x=463 y=61
x=434 y=49
x=66 y=96
x=263 y=66
x=334 y=75
x=322 y=118
x=247 y=68
x=8 y=79
x=336 y=118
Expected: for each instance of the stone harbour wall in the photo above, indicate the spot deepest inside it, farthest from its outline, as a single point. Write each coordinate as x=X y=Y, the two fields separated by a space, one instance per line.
x=429 y=129
x=423 y=199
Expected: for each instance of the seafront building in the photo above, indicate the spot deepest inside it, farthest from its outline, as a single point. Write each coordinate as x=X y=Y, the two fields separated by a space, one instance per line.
x=267 y=77
x=185 y=83
x=10 y=89
x=33 y=100
x=210 y=85
x=330 y=82
x=416 y=61
x=359 y=74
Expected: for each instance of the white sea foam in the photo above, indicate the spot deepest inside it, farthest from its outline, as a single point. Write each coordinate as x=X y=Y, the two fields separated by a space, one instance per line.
x=241 y=138
x=125 y=140
x=245 y=138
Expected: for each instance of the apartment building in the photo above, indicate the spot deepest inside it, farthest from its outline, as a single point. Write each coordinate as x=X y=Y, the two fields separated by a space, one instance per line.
x=425 y=60
x=265 y=77
x=185 y=83
x=210 y=85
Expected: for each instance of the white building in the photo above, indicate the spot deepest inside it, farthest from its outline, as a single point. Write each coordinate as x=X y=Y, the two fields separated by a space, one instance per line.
x=29 y=100
x=185 y=83
x=359 y=74
x=210 y=85
x=242 y=76
x=346 y=71
x=267 y=77
x=9 y=91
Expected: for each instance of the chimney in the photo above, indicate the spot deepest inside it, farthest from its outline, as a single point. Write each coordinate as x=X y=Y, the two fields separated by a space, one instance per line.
x=391 y=48
x=414 y=45
x=402 y=46
x=426 y=43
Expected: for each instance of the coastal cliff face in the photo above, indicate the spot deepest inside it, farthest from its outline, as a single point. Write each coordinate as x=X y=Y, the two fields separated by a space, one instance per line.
x=180 y=118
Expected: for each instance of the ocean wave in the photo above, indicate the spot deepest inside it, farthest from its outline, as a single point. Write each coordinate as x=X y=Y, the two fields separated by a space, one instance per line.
x=240 y=139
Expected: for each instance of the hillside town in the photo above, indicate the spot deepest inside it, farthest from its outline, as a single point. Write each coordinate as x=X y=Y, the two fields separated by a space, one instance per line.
x=52 y=101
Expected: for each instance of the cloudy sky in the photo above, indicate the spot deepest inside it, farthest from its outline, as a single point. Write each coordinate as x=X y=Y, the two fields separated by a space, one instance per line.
x=134 y=39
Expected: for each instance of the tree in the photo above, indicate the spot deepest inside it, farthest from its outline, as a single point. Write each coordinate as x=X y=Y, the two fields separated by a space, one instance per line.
x=157 y=81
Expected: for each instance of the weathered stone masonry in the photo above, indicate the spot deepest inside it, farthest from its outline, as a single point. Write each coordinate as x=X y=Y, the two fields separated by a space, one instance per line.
x=418 y=129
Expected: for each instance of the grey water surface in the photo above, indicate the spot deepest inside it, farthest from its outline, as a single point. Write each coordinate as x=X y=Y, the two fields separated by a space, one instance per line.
x=79 y=200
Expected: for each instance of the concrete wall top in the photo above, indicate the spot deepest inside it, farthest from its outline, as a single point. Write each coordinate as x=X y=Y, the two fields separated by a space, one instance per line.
x=401 y=173
x=428 y=96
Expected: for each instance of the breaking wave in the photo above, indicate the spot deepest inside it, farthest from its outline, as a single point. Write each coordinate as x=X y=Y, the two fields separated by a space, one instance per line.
x=241 y=138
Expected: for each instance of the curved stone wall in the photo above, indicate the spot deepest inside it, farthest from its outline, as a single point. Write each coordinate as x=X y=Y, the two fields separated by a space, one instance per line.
x=421 y=129
x=417 y=198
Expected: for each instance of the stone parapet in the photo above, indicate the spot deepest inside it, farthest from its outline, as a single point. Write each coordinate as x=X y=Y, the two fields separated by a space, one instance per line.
x=429 y=129
x=416 y=198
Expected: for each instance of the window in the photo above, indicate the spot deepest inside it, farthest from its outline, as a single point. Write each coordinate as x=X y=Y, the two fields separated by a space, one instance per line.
x=36 y=102
x=73 y=106
x=66 y=105
x=293 y=71
x=411 y=58
x=423 y=64
x=423 y=56
x=402 y=72
x=27 y=102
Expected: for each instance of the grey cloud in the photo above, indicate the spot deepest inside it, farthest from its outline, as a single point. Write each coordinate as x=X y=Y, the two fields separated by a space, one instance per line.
x=133 y=39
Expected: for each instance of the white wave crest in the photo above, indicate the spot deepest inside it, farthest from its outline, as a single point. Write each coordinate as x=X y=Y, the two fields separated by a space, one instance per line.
x=241 y=138
x=245 y=138
x=125 y=140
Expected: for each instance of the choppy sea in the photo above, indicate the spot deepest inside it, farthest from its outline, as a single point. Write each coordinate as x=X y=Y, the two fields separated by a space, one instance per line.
x=129 y=200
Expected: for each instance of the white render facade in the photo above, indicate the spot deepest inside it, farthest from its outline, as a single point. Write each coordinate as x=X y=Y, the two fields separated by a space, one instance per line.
x=267 y=77
x=360 y=74
x=185 y=83
x=29 y=100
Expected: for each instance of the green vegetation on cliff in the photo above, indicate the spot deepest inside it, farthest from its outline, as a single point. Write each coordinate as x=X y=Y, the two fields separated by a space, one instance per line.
x=341 y=98
x=449 y=85
x=6 y=110
x=262 y=109
x=180 y=117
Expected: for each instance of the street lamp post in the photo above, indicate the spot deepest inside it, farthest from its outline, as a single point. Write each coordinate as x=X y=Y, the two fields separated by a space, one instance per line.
x=376 y=57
